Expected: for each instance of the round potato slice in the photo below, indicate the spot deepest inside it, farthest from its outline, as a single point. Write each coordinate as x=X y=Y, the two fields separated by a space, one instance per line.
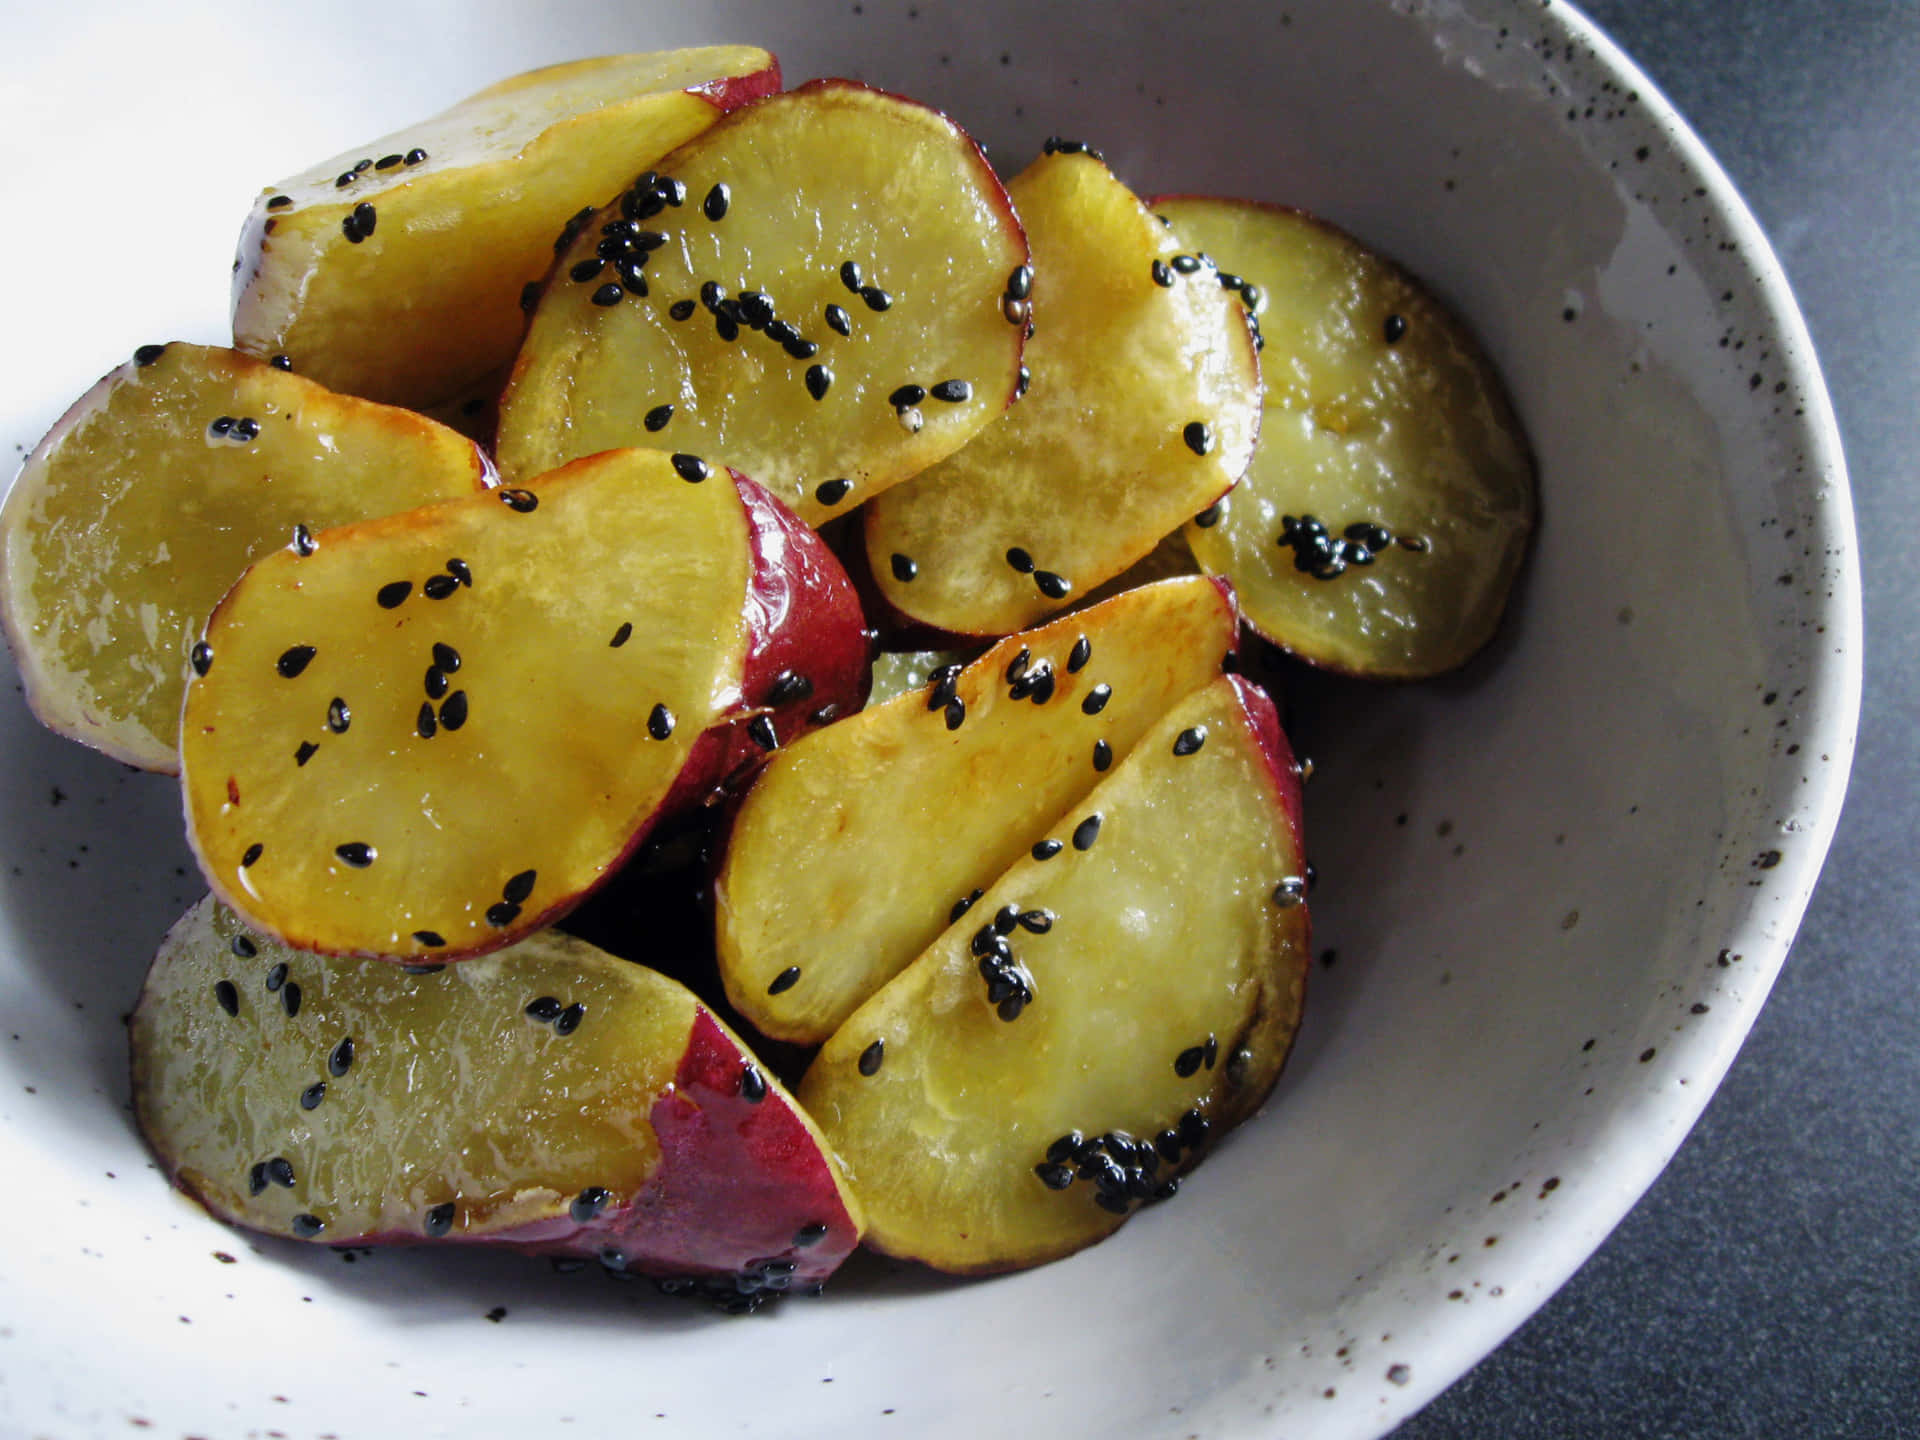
x=142 y=506
x=1382 y=522
x=552 y=1099
x=815 y=291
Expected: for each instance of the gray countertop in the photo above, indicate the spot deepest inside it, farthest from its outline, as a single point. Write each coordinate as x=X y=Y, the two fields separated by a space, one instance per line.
x=1769 y=1282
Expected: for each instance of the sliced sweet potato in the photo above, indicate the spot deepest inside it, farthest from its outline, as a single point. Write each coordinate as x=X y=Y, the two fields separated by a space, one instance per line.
x=395 y=270
x=860 y=844
x=1143 y=407
x=814 y=291
x=439 y=730
x=1383 y=520
x=1113 y=1002
x=552 y=1099
x=150 y=496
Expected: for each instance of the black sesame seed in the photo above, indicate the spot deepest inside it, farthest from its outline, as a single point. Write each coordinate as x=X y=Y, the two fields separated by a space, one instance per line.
x=851 y=275
x=502 y=914
x=415 y=155
x=281 y=362
x=656 y=419
x=1187 y=1063
x=876 y=299
x=760 y=729
x=1161 y=274
x=424 y=969
x=276 y=977
x=339 y=717
x=246 y=428
x=356 y=853
x=838 y=320
x=524 y=501
x=432 y=939
x=1067 y=1147
x=436 y=682
x=279 y=202
x=1047 y=849
x=1199 y=436
x=1096 y=700
x=808 y=1236
x=608 y=294
x=1113 y=1201
x=294 y=660
x=243 y=947
x=253 y=854
x=587 y=269
x=871 y=1057
x=1054 y=587
x=257 y=1178
x=306 y=1227
x=904 y=569
x=1395 y=330
x=311 y=1097
x=280 y=1171
x=753 y=1085
x=1290 y=892
x=290 y=999
x=147 y=354
x=962 y=905
x=907 y=396
x=1213 y=1050
x=1036 y=922
x=1189 y=740
x=426 y=724
x=1054 y=1175
x=953 y=392
x=1020 y=560
x=393 y=594
x=819 y=377
x=453 y=711
x=784 y=981
x=364 y=217
x=714 y=207
x=546 y=1009
x=690 y=468
x=341 y=1059
x=956 y=713
x=622 y=635
x=588 y=1204
x=200 y=657
x=1186 y=264
x=1086 y=832
x=1167 y=1145
x=682 y=309
x=832 y=492
x=520 y=886
x=1021 y=385
x=439 y=1220
x=344 y=179
x=1194 y=1129
x=228 y=995
x=1208 y=517
x=530 y=296
x=1102 y=755
x=789 y=686
x=660 y=722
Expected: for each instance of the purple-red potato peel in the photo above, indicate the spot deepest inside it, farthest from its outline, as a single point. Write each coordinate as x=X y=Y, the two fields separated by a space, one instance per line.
x=395 y=270
x=439 y=731
x=550 y=1099
x=139 y=509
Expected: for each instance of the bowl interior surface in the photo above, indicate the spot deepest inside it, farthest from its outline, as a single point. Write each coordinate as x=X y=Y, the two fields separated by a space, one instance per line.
x=1554 y=889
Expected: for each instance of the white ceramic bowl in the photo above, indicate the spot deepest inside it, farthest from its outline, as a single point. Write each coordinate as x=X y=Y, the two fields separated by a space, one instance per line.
x=1559 y=885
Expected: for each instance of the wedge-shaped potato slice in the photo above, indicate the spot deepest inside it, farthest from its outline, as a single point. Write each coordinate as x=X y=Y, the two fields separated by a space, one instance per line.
x=1114 y=1000
x=1143 y=408
x=816 y=291
x=1384 y=518
x=396 y=270
x=551 y=1098
x=150 y=496
x=859 y=845
x=440 y=730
